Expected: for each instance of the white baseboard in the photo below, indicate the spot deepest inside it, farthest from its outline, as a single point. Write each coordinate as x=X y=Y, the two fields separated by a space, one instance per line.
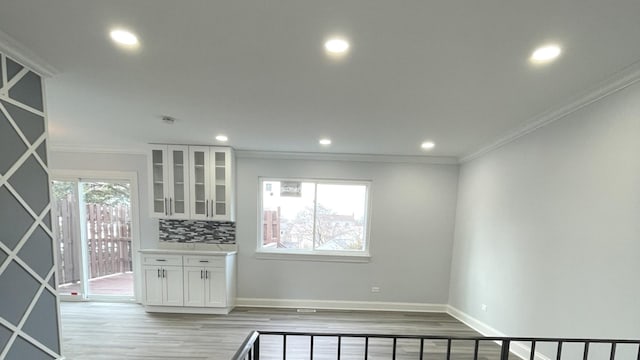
x=473 y=323
x=518 y=348
x=340 y=305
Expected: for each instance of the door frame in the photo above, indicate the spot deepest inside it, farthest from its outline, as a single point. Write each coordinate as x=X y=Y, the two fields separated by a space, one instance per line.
x=97 y=175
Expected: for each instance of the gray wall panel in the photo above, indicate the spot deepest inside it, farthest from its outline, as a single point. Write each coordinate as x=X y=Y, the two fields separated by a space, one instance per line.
x=37 y=252
x=25 y=178
x=28 y=91
x=31 y=125
x=42 y=152
x=13 y=68
x=23 y=287
x=47 y=219
x=5 y=334
x=14 y=219
x=40 y=325
x=32 y=183
x=11 y=146
x=23 y=350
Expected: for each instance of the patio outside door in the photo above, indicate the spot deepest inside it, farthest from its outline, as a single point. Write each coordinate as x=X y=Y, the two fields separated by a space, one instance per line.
x=92 y=226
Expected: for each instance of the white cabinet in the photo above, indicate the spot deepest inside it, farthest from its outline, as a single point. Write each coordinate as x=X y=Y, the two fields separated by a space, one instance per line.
x=205 y=282
x=180 y=281
x=153 y=289
x=169 y=181
x=204 y=287
x=212 y=190
x=193 y=286
x=191 y=182
x=163 y=281
x=215 y=292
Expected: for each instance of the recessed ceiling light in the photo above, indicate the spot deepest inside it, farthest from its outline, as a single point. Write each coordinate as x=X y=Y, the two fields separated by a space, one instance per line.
x=545 y=54
x=336 y=46
x=222 y=138
x=428 y=145
x=124 y=37
x=325 y=142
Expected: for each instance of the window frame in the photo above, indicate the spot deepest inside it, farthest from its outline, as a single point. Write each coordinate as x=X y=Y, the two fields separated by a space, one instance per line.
x=318 y=255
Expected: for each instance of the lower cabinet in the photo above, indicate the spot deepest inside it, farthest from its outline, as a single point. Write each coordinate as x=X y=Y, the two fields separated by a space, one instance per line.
x=204 y=287
x=163 y=285
x=193 y=283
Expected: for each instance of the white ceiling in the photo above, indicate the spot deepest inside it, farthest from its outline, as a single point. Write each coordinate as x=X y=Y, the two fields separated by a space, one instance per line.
x=455 y=72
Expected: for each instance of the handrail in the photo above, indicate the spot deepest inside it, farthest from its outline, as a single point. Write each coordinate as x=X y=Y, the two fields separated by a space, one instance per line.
x=250 y=348
x=246 y=350
x=454 y=338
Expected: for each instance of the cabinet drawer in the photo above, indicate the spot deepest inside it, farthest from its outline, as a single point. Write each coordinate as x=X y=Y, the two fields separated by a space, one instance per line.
x=208 y=261
x=167 y=260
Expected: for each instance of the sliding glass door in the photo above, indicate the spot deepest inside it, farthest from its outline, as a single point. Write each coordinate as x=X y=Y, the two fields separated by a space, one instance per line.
x=92 y=225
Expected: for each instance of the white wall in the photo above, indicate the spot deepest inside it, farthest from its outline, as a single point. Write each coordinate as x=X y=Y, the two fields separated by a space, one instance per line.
x=412 y=215
x=413 y=208
x=548 y=227
x=115 y=162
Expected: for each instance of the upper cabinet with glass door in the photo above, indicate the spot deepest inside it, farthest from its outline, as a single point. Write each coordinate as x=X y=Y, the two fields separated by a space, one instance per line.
x=169 y=181
x=211 y=183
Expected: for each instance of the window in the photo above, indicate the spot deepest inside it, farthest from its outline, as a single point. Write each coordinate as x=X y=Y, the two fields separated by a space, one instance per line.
x=314 y=217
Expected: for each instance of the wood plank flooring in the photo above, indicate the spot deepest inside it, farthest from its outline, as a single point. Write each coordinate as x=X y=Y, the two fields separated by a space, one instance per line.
x=125 y=331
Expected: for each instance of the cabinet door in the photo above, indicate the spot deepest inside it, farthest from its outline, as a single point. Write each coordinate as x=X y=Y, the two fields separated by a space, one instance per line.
x=152 y=291
x=215 y=287
x=193 y=286
x=178 y=182
x=221 y=183
x=172 y=291
x=158 y=175
x=199 y=178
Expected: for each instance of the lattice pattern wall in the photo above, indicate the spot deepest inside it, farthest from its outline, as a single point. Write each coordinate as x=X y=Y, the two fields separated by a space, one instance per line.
x=29 y=317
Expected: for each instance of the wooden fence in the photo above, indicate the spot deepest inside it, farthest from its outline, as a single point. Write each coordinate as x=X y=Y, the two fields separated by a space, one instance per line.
x=108 y=240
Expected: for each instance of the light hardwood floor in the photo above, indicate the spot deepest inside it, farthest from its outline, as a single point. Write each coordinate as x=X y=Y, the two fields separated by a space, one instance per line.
x=125 y=331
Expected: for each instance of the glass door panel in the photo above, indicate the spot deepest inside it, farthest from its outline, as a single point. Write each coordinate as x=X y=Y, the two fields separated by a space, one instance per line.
x=107 y=215
x=220 y=183
x=158 y=179
x=67 y=235
x=179 y=197
x=199 y=160
x=92 y=228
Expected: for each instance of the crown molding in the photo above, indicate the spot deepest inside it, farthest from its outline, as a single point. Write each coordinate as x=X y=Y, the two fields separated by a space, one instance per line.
x=20 y=53
x=279 y=155
x=610 y=86
x=274 y=155
x=68 y=148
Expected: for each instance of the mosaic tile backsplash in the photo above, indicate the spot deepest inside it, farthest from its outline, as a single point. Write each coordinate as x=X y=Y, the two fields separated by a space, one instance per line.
x=195 y=231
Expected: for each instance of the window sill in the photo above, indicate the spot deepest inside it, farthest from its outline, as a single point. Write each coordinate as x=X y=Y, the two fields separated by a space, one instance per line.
x=297 y=256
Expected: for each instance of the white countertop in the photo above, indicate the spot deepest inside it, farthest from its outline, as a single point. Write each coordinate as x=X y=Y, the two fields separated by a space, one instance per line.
x=187 y=252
